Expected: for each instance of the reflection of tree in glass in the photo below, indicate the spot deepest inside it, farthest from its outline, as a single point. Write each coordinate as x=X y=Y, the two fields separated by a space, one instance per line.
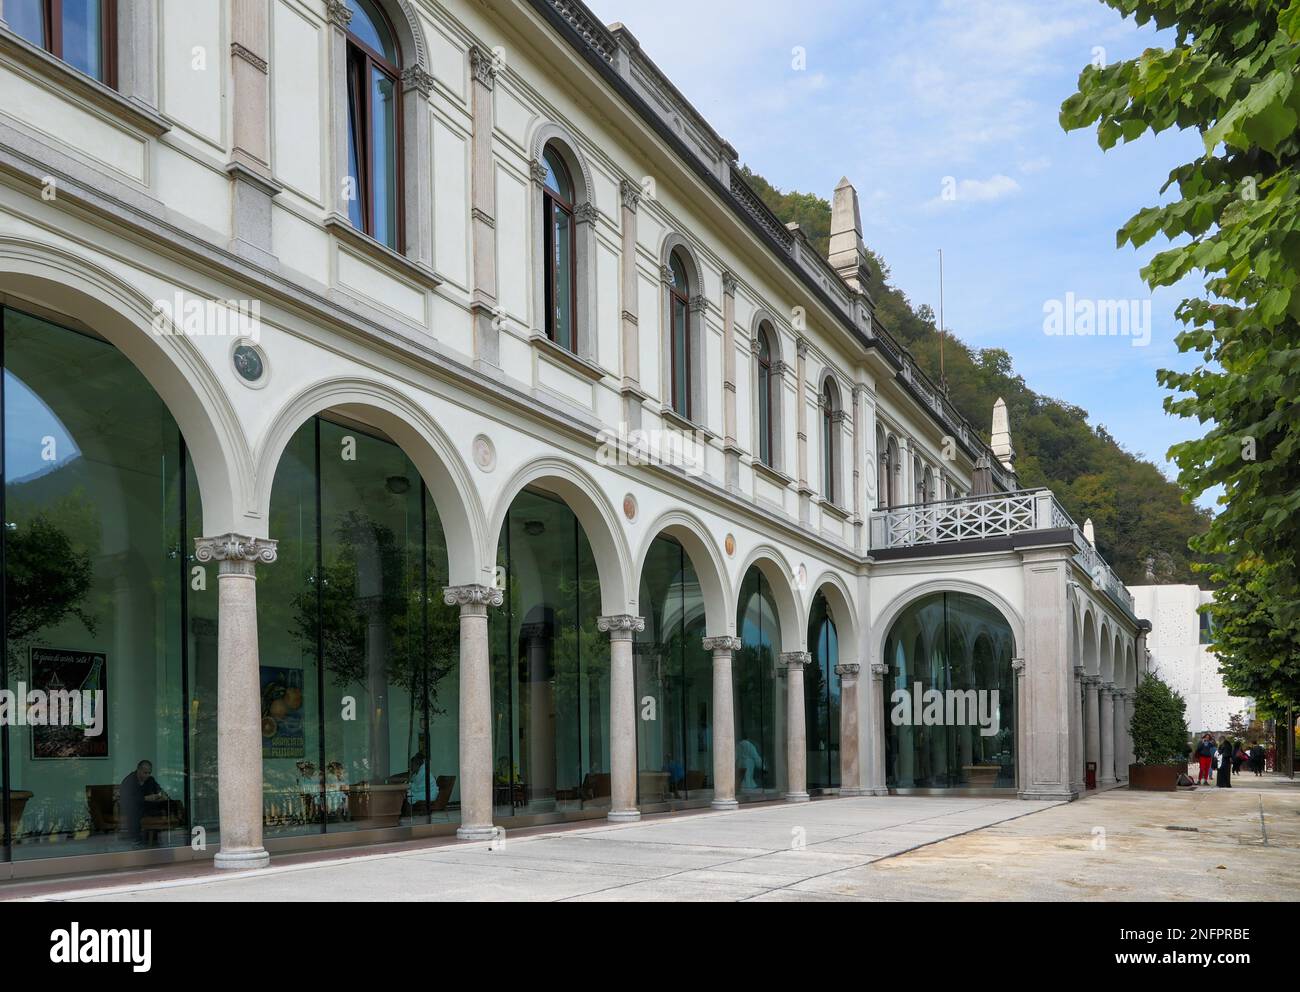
x=46 y=582
x=397 y=606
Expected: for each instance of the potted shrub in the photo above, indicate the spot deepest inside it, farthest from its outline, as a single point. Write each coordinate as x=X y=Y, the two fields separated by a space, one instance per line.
x=1159 y=731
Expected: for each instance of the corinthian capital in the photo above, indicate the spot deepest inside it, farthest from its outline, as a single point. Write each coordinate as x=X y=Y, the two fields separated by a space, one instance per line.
x=732 y=644
x=620 y=628
x=796 y=659
x=473 y=596
x=338 y=12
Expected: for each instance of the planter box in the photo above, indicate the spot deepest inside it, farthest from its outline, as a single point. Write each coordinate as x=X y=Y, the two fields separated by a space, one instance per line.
x=1155 y=778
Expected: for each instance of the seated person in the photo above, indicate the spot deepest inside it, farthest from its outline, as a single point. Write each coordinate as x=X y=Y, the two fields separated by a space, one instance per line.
x=417 y=788
x=140 y=796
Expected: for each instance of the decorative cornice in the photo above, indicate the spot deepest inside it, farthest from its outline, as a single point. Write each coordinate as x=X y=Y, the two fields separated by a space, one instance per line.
x=236 y=553
x=631 y=194
x=801 y=346
x=484 y=66
x=585 y=213
x=715 y=644
x=699 y=304
x=879 y=671
x=620 y=628
x=256 y=61
x=483 y=217
x=338 y=12
x=415 y=77
x=473 y=596
x=848 y=671
x=796 y=659
x=729 y=284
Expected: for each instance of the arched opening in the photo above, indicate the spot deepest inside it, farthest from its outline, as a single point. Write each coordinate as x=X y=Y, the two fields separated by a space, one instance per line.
x=893 y=471
x=949 y=702
x=831 y=417
x=681 y=344
x=374 y=128
x=559 y=203
x=550 y=664
x=764 y=388
x=359 y=654
x=674 y=682
x=104 y=616
x=759 y=690
x=822 y=699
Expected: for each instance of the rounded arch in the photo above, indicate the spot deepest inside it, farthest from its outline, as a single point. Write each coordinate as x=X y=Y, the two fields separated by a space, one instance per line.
x=562 y=139
x=60 y=283
x=694 y=537
x=1130 y=666
x=764 y=317
x=1117 y=660
x=1106 y=653
x=674 y=242
x=413 y=430
x=839 y=601
x=776 y=569
x=596 y=516
x=410 y=36
x=894 y=610
x=1091 y=658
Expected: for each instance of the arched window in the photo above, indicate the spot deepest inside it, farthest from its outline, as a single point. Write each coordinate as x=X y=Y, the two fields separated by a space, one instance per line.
x=374 y=125
x=561 y=251
x=80 y=32
x=763 y=386
x=882 y=470
x=679 y=335
x=928 y=492
x=830 y=404
x=891 y=466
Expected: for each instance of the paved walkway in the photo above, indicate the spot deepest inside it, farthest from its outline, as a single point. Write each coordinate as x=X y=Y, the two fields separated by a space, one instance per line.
x=1113 y=846
x=756 y=852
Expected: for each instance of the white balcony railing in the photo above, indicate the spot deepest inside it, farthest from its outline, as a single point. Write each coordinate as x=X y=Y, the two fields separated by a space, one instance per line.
x=979 y=518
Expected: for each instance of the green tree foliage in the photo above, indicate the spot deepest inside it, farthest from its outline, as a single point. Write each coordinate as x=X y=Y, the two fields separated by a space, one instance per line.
x=1159 y=726
x=1231 y=74
x=1143 y=524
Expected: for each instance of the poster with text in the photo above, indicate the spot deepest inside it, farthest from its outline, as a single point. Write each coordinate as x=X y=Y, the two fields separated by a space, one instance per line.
x=282 y=724
x=58 y=674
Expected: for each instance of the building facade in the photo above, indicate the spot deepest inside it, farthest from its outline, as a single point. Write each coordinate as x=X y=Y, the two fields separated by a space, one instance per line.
x=1179 y=652
x=413 y=423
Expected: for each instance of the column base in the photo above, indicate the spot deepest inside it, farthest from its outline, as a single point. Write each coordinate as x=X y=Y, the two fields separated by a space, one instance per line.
x=1104 y=782
x=1049 y=796
x=797 y=797
x=724 y=805
x=624 y=816
x=880 y=792
x=488 y=832
x=241 y=860
x=854 y=793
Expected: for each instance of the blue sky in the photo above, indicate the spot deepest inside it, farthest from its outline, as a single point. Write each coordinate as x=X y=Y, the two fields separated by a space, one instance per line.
x=903 y=95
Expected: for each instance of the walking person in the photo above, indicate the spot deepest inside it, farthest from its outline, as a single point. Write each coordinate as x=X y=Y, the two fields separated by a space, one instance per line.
x=1224 y=780
x=1204 y=758
x=1256 y=759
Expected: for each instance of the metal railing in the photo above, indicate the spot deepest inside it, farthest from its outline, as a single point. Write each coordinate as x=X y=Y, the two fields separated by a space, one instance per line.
x=978 y=518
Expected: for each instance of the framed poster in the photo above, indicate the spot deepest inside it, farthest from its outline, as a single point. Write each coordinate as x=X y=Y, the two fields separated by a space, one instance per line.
x=57 y=671
x=283 y=735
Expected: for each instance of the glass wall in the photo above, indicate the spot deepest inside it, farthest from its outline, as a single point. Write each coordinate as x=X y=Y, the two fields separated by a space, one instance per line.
x=822 y=700
x=96 y=562
x=949 y=706
x=550 y=666
x=359 y=655
x=760 y=693
x=674 y=683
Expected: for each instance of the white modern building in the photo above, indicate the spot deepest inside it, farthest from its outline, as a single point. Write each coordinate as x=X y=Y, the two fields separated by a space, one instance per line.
x=413 y=424
x=1179 y=652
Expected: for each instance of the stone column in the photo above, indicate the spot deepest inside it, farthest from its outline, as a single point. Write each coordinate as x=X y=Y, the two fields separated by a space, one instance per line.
x=629 y=290
x=1121 y=735
x=1092 y=722
x=801 y=427
x=622 y=716
x=1106 y=772
x=796 y=742
x=1047 y=679
x=483 y=208
x=724 y=722
x=1077 y=746
x=239 y=709
x=850 y=768
x=879 y=779
x=475 y=709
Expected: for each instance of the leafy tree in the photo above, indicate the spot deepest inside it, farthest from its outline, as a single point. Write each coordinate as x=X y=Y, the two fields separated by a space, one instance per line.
x=1159 y=725
x=1231 y=74
x=1143 y=523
